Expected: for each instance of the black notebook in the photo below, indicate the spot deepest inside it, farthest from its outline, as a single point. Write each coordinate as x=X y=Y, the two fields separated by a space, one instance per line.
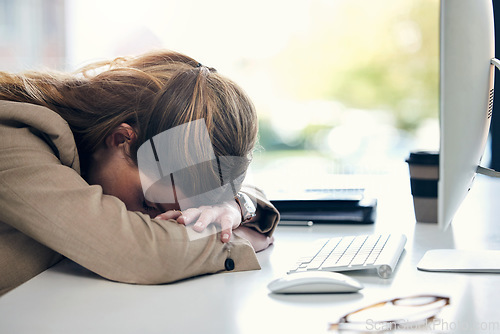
x=326 y=206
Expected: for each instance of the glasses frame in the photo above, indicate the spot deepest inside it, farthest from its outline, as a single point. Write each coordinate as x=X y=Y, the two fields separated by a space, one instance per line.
x=395 y=301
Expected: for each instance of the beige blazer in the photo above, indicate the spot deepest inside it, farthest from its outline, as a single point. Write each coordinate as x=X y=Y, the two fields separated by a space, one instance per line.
x=48 y=211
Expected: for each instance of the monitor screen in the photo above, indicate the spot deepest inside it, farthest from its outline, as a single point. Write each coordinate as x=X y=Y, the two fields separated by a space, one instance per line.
x=466 y=96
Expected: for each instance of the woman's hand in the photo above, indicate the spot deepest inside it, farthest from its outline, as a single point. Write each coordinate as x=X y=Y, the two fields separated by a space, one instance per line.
x=227 y=215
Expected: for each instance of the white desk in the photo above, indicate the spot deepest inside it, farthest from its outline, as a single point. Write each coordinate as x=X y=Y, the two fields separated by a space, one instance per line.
x=69 y=299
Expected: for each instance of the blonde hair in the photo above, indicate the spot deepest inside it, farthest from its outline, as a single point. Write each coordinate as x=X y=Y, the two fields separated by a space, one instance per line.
x=152 y=92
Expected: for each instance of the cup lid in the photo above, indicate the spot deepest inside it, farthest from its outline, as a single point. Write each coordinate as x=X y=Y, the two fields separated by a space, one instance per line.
x=423 y=158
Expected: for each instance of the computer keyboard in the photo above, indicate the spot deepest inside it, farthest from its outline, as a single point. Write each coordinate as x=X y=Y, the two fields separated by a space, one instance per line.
x=375 y=251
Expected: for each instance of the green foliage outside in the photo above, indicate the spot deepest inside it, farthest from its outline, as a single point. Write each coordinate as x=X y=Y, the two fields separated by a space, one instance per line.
x=369 y=55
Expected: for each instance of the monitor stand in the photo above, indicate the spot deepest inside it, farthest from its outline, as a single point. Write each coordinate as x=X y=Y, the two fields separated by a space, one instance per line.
x=461 y=261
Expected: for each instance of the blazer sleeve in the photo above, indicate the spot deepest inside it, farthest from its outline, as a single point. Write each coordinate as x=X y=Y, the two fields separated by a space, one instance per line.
x=52 y=203
x=267 y=215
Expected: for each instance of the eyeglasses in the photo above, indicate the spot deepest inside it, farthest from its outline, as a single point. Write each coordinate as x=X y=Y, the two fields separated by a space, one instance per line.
x=406 y=312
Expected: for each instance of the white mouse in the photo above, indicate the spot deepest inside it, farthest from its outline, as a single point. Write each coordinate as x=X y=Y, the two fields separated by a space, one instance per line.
x=315 y=282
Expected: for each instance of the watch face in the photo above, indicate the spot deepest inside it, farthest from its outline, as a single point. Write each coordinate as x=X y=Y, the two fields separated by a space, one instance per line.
x=246 y=205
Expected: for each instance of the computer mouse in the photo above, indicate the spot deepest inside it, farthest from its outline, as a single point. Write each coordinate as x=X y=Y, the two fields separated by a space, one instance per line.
x=315 y=282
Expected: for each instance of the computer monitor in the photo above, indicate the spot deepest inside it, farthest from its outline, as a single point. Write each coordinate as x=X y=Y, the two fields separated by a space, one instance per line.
x=467 y=67
x=467 y=47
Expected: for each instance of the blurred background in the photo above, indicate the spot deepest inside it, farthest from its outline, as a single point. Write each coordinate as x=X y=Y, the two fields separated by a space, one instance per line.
x=342 y=87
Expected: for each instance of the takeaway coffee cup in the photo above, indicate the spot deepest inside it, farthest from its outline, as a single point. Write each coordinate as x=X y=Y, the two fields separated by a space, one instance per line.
x=424 y=175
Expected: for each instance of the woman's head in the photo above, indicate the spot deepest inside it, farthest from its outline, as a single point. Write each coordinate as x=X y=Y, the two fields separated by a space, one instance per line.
x=227 y=115
x=150 y=93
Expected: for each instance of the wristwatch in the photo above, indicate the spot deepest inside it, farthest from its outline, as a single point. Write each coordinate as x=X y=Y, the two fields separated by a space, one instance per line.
x=246 y=205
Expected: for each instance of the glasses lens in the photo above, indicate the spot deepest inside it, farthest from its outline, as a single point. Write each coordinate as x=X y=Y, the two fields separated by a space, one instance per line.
x=383 y=313
x=417 y=301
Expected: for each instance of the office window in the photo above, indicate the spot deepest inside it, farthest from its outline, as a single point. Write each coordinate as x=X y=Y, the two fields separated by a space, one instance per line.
x=341 y=86
x=32 y=34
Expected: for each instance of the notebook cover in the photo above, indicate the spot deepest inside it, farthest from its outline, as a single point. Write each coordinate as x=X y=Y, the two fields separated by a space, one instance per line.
x=338 y=210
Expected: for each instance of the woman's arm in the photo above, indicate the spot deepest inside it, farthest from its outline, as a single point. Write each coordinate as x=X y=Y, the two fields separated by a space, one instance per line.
x=258 y=240
x=51 y=203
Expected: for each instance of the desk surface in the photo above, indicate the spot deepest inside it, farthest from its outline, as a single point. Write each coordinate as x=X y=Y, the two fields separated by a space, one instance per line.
x=70 y=299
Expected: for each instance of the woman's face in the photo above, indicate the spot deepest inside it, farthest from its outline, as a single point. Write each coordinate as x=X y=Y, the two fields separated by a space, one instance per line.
x=120 y=178
x=112 y=169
